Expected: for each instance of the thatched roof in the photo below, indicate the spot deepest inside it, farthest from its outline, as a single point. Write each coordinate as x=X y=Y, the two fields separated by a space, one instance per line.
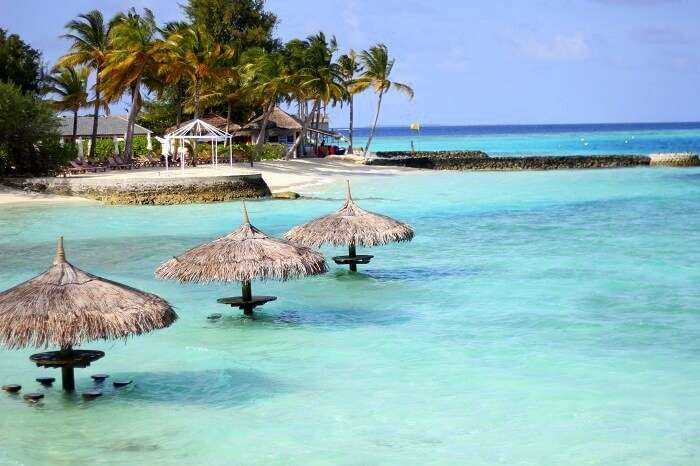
x=279 y=119
x=65 y=307
x=245 y=254
x=350 y=225
x=215 y=120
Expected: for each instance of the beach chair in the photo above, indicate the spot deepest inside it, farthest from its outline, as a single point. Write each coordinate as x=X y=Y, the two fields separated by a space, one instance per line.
x=114 y=165
x=123 y=163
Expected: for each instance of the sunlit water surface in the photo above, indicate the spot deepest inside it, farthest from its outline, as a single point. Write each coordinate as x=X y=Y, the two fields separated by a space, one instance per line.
x=537 y=318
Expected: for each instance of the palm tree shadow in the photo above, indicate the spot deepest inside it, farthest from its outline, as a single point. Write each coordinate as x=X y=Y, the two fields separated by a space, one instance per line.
x=221 y=388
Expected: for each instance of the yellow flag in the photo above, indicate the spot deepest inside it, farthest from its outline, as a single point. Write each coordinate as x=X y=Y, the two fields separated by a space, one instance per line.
x=415 y=125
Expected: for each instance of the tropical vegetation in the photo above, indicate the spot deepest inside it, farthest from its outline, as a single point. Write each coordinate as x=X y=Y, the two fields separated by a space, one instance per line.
x=222 y=58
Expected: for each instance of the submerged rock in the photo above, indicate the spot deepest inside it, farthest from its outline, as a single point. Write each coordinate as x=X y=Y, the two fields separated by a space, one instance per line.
x=286 y=195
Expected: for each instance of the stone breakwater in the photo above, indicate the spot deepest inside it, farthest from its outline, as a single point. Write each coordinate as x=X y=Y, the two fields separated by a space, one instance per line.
x=466 y=161
x=675 y=160
x=158 y=191
x=446 y=154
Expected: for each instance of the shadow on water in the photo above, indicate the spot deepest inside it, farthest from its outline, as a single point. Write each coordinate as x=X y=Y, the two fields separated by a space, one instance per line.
x=328 y=318
x=223 y=388
x=422 y=273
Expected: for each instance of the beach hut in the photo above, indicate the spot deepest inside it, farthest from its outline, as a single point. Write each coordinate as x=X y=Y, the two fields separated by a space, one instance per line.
x=350 y=226
x=65 y=307
x=244 y=255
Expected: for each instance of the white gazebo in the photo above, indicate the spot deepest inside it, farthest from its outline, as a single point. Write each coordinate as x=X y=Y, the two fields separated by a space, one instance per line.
x=198 y=130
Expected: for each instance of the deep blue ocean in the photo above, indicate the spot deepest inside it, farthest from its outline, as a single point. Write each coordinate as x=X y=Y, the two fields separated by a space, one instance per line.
x=565 y=139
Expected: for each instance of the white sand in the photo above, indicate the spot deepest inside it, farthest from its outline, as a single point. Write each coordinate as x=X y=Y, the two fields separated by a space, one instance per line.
x=16 y=196
x=300 y=175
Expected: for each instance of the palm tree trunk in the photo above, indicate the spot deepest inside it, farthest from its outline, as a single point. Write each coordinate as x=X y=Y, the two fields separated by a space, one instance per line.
x=317 y=122
x=196 y=99
x=263 y=129
x=178 y=104
x=351 y=123
x=374 y=126
x=228 y=115
x=196 y=115
x=75 y=125
x=301 y=136
x=96 y=115
x=133 y=111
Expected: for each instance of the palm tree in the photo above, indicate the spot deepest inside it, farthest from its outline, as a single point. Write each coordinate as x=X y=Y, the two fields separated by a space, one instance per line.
x=265 y=78
x=172 y=75
x=349 y=67
x=90 y=47
x=70 y=84
x=319 y=80
x=377 y=70
x=192 y=52
x=131 y=62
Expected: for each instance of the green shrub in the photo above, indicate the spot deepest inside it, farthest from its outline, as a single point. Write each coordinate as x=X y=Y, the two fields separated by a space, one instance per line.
x=28 y=134
x=272 y=151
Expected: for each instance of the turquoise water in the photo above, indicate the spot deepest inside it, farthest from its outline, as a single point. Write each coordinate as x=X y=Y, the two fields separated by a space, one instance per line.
x=572 y=139
x=538 y=318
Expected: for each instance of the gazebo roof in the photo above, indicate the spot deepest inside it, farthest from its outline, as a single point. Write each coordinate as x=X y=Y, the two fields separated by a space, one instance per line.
x=213 y=119
x=198 y=129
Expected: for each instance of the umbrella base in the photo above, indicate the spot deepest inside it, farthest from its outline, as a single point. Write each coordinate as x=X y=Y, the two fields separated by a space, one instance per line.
x=67 y=361
x=76 y=358
x=246 y=304
x=348 y=260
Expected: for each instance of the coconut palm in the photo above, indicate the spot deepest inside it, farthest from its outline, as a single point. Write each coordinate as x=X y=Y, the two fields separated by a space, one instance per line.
x=319 y=80
x=90 y=47
x=192 y=52
x=349 y=67
x=132 y=60
x=377 y=71
x=70 y=85
x=172 y=76
x=266 y=78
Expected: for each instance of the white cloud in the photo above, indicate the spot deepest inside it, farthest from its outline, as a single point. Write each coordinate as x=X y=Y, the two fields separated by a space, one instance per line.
x=558 y=48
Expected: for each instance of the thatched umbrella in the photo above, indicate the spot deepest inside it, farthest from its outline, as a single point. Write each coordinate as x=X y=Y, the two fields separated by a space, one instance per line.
x=244 y=255
x=65 y=307
x=351 y=226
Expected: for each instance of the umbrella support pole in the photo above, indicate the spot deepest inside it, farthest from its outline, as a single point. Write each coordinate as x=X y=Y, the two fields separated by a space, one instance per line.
x=67 y=371
x=352 y=253
x=247 y=295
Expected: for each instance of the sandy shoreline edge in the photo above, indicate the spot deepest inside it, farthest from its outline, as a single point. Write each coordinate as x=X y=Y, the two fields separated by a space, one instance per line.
x=301 y=175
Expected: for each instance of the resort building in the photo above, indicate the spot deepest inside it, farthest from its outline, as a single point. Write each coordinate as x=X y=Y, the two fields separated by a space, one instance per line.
x=108 y=126
x=284 y=128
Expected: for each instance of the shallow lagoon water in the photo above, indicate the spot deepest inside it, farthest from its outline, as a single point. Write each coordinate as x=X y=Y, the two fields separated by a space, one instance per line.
x=536 y=318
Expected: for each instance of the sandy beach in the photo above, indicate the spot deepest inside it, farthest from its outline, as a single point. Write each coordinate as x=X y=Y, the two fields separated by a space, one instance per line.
x=300 y=175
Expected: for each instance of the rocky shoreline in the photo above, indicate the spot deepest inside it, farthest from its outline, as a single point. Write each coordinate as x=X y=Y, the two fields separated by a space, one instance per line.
x=149 y=191
x=477 y=160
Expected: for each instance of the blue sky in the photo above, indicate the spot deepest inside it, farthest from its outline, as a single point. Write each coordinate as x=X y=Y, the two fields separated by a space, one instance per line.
x=479 y=62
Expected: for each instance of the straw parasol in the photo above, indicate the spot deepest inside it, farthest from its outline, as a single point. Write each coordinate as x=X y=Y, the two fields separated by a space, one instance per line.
x=244 y=255
x=65 y=307
x=351 y=226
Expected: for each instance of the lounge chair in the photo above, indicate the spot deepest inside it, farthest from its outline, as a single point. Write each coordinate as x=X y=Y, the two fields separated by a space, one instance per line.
x=123 y=161
x=116 y=165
